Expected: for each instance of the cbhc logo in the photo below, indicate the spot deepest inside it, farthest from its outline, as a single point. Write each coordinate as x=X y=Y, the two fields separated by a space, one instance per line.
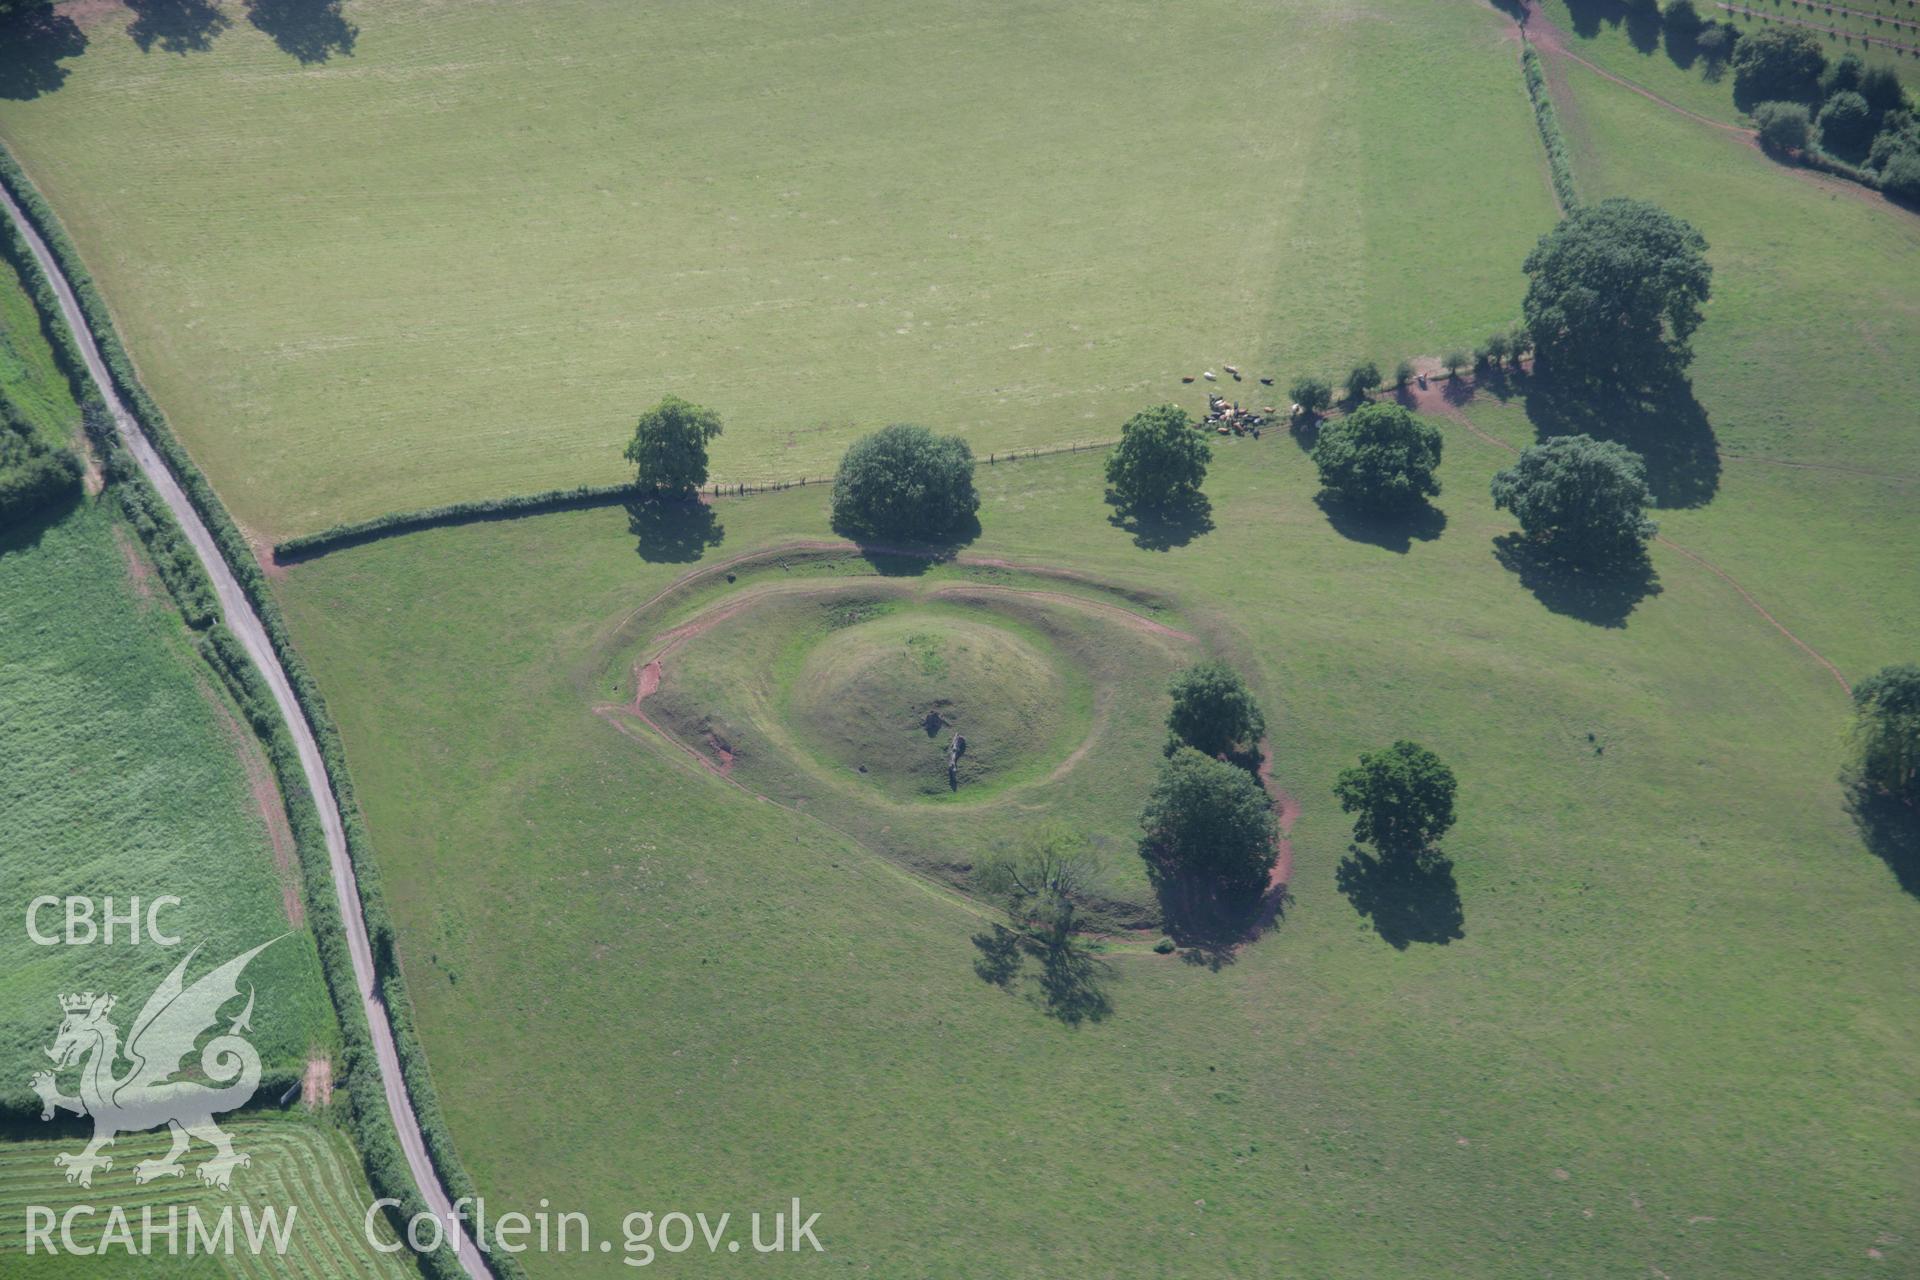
x=83 y=928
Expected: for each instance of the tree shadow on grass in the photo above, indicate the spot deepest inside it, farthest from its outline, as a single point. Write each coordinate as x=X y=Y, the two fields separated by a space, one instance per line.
x=1162 y=528
x=176 y=26
x=1602 y=595
x=1664 y=424
x=1409 y=897
x=1210 y=926
x=1071 y=985
x=32 y=45
x=908 y=557
x=673 y=530
x=1890 y=830
x=25 y=533
x=1642 y=25
x=310 y=30
x=1394 y=530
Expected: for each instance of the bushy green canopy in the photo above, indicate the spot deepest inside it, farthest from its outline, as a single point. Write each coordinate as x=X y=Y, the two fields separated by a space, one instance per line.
x=669 y=447
x=1380 y=456
x=1311 y=393
x=1784 y=126
x=1402 y=798
x=905 y=482
x=1846 y=124
x=1614 y=293
x=1209 y=821
x=1160 y=461
x=34 y=476
x=1587 y=498
x=1213 y=711
x=1777 y=64
x=1887 y=731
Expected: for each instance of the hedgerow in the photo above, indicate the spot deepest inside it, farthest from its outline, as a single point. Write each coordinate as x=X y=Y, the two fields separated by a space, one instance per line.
x=1559 y=166
x=387 y=1169
x=524 y=504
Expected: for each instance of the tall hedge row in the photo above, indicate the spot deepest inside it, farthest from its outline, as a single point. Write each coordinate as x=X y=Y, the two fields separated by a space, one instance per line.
x=386 y=1165
x=1559 y=166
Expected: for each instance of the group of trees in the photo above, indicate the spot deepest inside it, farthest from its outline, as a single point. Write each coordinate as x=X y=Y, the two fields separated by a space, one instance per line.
x=1858 y=114
x=900 y=482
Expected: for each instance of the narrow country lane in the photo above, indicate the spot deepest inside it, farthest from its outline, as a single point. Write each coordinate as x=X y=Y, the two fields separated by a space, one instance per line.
x=245 y=625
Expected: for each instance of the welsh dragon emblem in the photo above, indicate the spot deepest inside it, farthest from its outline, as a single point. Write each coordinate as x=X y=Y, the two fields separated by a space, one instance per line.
x=146 y=1096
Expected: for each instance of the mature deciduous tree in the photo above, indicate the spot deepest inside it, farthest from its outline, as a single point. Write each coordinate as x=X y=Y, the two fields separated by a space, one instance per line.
x=1362 y=381
x=1587 y=499
x=905 y=482
x=1784 y=126
x=1846 y=125
x=1401 y=798
x=1211 y=822
x=1380 y=456
x=1213 y=711
x=1160 y=461
x=669 y=447
x=1614 y=293
x=1044 y=884
x=1312 y=394
x=1777 y=64
x=1886 y=732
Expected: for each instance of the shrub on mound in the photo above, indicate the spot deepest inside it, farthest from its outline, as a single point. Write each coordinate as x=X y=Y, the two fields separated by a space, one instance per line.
x=1210 y=822
x=1380 y=456
x=1587 y=499
x=905 y=482
x=1213 y=711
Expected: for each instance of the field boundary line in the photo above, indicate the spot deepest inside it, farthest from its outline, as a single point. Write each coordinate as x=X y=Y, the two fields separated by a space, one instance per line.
x=248 y=629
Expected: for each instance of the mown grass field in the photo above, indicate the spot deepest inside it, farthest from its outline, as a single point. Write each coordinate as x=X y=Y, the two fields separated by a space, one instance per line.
x=458 y=261
x=124 y=774
x=1654 y=1018
x=297 y=1162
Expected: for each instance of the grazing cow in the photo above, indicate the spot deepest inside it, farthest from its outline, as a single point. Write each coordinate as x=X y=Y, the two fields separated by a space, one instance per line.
x=1208 y=375
x=1188 y=378
x=1266 y=382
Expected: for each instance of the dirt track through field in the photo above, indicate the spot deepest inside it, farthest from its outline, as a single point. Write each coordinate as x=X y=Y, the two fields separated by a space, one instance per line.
x=1544 y=35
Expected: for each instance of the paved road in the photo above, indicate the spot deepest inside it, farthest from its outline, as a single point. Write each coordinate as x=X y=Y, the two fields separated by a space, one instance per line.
x=245 y=624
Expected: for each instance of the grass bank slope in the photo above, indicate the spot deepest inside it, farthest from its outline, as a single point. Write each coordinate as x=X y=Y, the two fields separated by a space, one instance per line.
x=457 y=261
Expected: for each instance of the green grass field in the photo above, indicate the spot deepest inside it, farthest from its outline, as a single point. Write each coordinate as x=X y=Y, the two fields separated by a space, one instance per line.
x=124 y=773
x=1653 y=1014
x=381 y=282
x=1652 y=1017
x=1671 y=990
x=297 y=1162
